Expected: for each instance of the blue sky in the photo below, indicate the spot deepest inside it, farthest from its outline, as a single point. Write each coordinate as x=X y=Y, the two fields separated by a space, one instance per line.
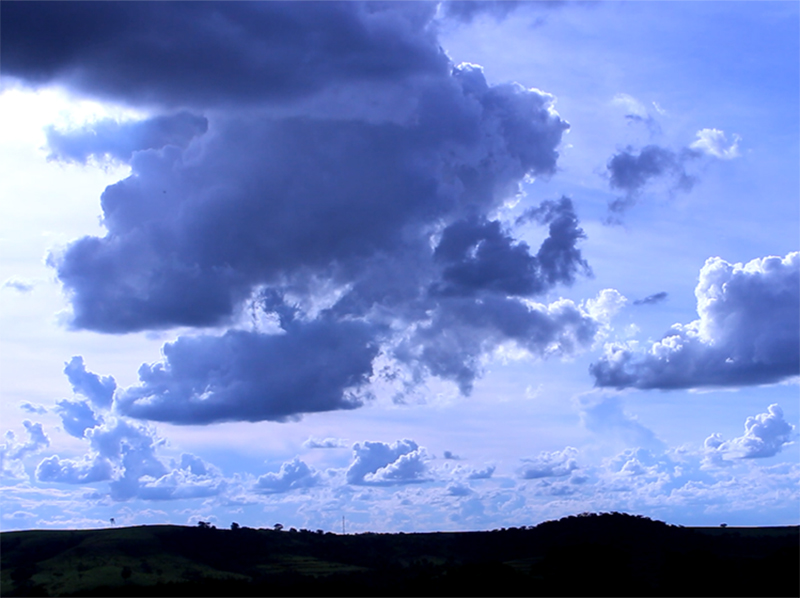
x=422 y=266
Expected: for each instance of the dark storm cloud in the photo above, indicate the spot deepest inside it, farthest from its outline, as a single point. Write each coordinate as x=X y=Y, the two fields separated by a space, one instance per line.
x=177 y=54
x=478 y=255
x=748 y=333
x=654 y=298
x=343 y=184
x=120 y=140
x=466 y=11
x=630 y=172
x=99 y=391
x=461 y=330
x=250 y=376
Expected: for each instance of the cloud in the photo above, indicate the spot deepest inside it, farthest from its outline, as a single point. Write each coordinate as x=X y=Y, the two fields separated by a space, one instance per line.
x=293 y=475
x=250 y=376
x=550 y=464
x=748 y=333
x=481 y=474
x=630 y=172
x=19 y=285
x=714 y=143
x=324 y=443
x=108 y=137
x=12 y=452
x=99 y=391
x=764 y=436
x=178 y=55
x=466 y=11
x=132 y=448
x=68 y=471
x=32 y=408
x=180 y=484
x=604 y=414
x=329 y=167
x=451 y=455
x=381 y=464
x=76 y=417
x=651 y=299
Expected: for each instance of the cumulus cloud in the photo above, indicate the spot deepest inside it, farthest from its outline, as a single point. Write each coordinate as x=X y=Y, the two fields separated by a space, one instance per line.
x=118 y=140
x=329 y=167
x=99 y=391
x=764 y=436
x=481 y=474
x=714 y=143
x=550 y=464
x=12 y=451
x=76 y=417
x=748 y=333
x=70 y=471
x=293 y=475
x=382 y=464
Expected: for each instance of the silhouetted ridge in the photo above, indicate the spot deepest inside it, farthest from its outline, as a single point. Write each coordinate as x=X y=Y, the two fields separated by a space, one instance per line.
x=587 y=554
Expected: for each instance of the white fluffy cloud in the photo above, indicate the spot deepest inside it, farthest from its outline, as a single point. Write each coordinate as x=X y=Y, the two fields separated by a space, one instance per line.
x=715 y=143
x=293 y=475
x=764 y=436
x=550 y=464
x=748 y=333
x=379 y=463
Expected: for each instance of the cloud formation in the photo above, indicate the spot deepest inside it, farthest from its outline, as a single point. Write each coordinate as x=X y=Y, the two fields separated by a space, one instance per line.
x=76 y=417
x=550 y=464
x=293 y=475
x=764 y=436
x=748 y=333
x=99 y=390
x=630 y=171
x=651 y=299
x=117 y=140
x=331 y=168
x=382 y=464
x=242 y=375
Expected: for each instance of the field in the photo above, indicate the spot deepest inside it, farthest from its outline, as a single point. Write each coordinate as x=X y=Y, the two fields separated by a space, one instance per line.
x=584 y=555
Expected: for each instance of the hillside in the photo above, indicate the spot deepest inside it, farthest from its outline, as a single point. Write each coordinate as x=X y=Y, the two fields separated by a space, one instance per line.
x=609 y=554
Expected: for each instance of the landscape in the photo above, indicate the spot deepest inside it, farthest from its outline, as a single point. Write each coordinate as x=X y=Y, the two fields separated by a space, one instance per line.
x=428 y=277
x=584 y=555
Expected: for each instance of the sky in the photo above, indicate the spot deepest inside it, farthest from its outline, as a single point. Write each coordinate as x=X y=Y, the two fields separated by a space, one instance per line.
x=411 y=266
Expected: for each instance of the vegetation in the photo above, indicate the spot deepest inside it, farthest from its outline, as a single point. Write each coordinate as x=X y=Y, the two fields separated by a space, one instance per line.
x=608 y=554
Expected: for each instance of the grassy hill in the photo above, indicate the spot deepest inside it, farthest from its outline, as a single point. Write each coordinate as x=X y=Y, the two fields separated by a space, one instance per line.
x=610 y=554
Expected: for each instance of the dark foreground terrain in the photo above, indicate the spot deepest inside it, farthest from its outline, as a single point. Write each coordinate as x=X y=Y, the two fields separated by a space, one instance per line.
x=586 y=555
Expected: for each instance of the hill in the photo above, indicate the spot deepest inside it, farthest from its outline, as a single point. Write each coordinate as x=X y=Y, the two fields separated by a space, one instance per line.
x=608 y=554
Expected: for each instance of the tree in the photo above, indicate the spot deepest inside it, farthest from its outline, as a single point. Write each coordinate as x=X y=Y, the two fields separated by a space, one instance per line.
x=277 y=527
x=234 y=526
